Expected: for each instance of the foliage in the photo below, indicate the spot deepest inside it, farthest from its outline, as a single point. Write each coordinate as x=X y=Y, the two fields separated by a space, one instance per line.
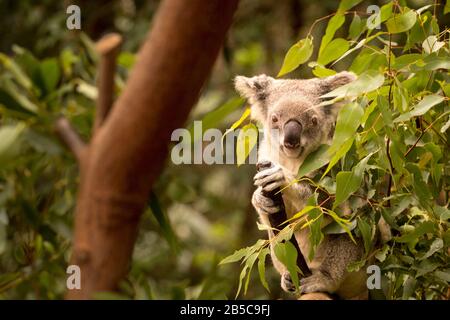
x=388 y=157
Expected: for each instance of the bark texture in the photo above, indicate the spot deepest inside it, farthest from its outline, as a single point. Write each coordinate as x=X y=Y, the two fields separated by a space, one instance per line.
x=128 y=150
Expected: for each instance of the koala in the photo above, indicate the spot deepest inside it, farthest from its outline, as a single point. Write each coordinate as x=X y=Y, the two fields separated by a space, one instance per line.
x=294 y=125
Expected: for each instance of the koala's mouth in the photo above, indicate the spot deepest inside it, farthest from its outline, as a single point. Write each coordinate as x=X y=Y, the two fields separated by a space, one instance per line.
x=293 y=152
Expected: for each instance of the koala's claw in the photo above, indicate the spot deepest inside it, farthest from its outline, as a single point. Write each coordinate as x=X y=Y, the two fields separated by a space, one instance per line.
x=270 y=179
x=263 y=203
x=286 y=283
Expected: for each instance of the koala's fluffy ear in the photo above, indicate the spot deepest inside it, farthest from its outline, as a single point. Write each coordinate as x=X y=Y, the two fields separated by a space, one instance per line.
x=255 y=89
x=330 y=83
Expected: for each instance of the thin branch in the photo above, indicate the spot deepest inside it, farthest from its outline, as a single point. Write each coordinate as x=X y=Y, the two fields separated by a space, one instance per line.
x=388 y=153
x=70 y=137
x=108 y=48
x=415 y=143
x=388 y=144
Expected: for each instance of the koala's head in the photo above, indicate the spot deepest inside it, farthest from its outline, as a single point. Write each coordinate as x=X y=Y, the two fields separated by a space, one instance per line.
x=290 y=109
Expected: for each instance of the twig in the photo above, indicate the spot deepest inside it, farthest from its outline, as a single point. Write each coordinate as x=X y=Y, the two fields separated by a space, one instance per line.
x=70 y=137
x=108 y=48
x=388 y=144
x=415 y=143
x=388 y=153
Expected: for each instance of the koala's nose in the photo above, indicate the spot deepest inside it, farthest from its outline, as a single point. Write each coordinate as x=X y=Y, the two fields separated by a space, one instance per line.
x=292 y=132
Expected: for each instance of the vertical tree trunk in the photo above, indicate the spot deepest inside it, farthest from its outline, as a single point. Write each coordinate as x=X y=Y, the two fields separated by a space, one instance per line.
x=127 y=152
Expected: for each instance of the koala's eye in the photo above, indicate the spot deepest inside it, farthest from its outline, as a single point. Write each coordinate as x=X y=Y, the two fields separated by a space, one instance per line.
x=274 y=118
x=314 y=120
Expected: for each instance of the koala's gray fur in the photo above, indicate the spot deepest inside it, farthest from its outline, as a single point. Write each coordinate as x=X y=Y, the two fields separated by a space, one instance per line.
x=275 y=103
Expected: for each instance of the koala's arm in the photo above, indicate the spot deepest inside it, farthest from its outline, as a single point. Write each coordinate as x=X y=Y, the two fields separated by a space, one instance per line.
x=265 y=206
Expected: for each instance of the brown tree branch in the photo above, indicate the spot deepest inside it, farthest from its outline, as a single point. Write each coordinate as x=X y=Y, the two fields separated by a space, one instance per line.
x=125 y=157
x=108 y=48
x=70 y=137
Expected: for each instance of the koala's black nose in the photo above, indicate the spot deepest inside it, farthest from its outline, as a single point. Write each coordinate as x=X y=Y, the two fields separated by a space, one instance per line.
x=292 y=132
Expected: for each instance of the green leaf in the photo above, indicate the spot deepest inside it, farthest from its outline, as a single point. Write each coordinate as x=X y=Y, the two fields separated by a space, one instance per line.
x=323 y=72
x=50 y=74
x=246 y=140
x=314 y=161
x=68 y=58
x=356 y=27
x=287 y=254
x=344 y=223
x=366 y=233
x=298 y=54
x=347 y=4
x=12 y=98
x=213 y=118
x=348 y=182
x=244 y=116
x=382 y=254
x=333 y=51
x=406 y=60
x=386 y=113
x=9 y=146
x=447 y=7
x=444 y=276
x=16 y=71
x=421 y=189
x=262 y=267
x=236 y=256
x=366 y=82
x=359 y=45
x=126 y=59
x=431 y=44
x=400 y=97
x=348 y=121
x=402 y=22
x=430 y=63
x=384 y=14
x=421 y=108
x=163 y=221
x=315 y=217
x=445 y=126
x=241 y=279
x=337 y=228
x=250 y=262
x=409 y=287
x=302 y=212
x=423 y=228
x=437 y=245
x=342 y=151
x=333 y=25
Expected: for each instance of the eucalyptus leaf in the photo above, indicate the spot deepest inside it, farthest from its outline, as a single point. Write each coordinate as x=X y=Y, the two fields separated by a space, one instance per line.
x=402 y=22
x=298 y=54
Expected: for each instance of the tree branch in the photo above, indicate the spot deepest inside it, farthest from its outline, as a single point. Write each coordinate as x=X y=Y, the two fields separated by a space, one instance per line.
x=127 y=154
x=70 y=137
x=108 y=48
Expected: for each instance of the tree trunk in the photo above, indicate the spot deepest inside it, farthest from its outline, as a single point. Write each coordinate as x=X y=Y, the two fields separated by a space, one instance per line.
x=127 y=152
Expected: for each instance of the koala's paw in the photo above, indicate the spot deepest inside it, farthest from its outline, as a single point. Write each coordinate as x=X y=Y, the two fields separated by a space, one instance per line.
x=264 y=204
x=316 y=283
x=270 y=179
x=286 y=283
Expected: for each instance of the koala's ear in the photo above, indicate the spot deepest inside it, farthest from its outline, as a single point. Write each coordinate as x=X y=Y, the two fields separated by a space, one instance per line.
x=330 y=83
x=255 y=89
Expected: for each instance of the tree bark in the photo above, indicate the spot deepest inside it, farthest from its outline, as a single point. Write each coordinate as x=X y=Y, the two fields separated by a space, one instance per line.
x=127 y=152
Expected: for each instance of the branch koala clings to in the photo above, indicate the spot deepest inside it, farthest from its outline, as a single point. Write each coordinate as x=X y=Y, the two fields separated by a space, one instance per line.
x=294 y=125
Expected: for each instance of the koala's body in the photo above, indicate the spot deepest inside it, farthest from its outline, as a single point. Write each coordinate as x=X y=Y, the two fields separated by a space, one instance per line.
x=294 y=126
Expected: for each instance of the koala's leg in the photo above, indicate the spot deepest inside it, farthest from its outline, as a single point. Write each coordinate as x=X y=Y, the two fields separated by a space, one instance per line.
x=337 y=251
